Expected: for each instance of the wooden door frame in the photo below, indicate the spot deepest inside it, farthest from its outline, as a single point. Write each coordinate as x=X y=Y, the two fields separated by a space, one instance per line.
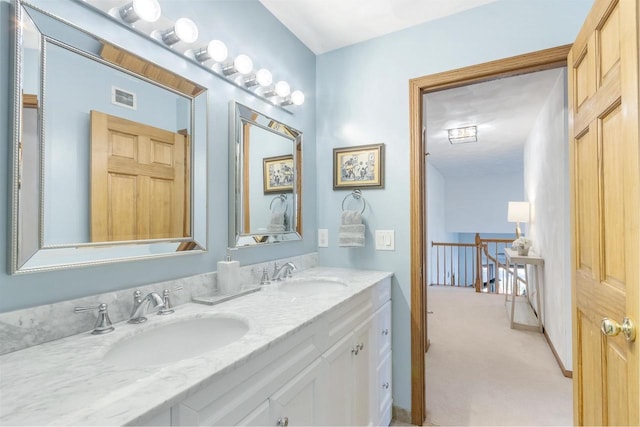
x=522 y=64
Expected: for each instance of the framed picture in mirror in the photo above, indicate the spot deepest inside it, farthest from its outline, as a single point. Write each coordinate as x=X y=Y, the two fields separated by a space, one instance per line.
x=357 y=167
x=278 y=174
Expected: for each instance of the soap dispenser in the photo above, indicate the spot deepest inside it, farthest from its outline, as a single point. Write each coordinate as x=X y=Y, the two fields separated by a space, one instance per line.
x=228 y=275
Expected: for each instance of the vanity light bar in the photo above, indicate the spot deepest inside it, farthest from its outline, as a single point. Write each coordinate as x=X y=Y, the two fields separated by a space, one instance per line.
x=237 y=71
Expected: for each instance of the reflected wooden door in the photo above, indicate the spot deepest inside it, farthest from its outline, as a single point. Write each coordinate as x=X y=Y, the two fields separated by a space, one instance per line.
x=605 y=189
x=138 y=181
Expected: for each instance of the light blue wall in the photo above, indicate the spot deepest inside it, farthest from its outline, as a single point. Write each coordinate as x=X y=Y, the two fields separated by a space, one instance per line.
x=363 y=99
x=246 y=27
x=478 y=203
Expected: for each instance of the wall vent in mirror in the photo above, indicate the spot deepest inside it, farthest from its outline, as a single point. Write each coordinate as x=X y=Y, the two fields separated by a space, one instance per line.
x=94 y=182
x=182 y=36
x=265 y=194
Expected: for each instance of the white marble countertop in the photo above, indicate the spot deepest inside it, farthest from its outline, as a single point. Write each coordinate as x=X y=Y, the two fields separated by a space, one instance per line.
x=66 y=382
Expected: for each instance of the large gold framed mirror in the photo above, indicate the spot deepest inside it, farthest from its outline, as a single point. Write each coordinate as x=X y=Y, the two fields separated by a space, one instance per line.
x=265 y=179
x=107 y=146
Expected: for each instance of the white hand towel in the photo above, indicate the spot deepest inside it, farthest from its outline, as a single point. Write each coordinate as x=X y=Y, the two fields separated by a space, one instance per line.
x=351 y=232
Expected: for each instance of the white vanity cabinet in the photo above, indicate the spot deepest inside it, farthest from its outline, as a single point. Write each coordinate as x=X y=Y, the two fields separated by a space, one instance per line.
x=333 y=371
x=298 y=402
x=381 y=388
x=349 y=367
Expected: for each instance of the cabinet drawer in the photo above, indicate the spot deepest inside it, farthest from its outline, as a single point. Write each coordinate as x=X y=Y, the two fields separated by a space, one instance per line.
x=384 y=388
x=383 y=330
x=346 y=318
x=381 y=292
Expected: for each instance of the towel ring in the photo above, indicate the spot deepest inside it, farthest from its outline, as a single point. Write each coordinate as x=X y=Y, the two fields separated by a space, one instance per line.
x=283 y=199
x=356 y=194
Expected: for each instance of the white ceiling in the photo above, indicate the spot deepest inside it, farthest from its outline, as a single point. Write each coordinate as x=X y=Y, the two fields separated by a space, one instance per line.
x=504 y=111
x=325 y=25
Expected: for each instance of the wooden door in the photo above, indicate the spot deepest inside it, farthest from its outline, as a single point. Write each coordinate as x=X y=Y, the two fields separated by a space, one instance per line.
x=139 y=181
x=605 y=191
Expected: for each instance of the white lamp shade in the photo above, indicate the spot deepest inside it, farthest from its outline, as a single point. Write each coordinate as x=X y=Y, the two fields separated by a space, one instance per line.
x=518 y=212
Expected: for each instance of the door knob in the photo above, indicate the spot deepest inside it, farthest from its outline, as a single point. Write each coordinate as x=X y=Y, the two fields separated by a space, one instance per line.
x=611 y=328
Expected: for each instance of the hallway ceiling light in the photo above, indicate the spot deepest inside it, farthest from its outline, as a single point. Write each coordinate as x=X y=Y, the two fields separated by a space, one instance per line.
x=147 y=10
x=463 y=135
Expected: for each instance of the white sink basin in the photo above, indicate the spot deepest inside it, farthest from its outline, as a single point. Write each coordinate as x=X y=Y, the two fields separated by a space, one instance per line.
x=176 y=341
x=306 y=286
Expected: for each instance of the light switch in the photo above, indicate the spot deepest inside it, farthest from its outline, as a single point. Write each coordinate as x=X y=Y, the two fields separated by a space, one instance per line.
x=385 y=240
x=323 y=238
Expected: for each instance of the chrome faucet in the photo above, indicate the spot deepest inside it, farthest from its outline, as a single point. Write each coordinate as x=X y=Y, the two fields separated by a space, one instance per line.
x=284 y=271
x=152 y=299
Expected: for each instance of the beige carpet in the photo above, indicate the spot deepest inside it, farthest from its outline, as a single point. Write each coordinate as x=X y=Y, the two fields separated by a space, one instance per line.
x=481 y=372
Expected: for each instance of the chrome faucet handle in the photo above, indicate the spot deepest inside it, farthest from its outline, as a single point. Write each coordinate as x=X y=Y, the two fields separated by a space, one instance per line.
x=167 y=308
x=276 y=267
x=291 y=270
x=264 y=280
x=103 y=323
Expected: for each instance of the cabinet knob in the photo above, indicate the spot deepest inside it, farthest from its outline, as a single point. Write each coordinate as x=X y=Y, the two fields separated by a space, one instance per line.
x=284 y=421
x=385 y=332
x=357 y=349
x=385 y=386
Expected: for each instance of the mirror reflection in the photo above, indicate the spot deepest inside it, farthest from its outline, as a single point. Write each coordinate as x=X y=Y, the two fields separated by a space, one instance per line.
x=107 y=146
x=266 y=193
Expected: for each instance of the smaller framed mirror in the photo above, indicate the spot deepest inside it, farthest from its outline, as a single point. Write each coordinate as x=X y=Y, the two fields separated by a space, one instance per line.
x=265 y=179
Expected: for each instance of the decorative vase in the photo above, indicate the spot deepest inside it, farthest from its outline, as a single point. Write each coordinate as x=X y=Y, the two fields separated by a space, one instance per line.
x=522 y=251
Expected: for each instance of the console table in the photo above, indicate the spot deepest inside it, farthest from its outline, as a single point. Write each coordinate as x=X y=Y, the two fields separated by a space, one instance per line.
x=527 y=317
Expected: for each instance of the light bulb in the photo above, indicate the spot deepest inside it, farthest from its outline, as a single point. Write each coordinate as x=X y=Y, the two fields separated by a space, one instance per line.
x=186 y=30
x=147 y=10
x=282 y=88
x=215 y=50
x=243 y=64
x=183 y=30
x=264 y=77
x=297 y=97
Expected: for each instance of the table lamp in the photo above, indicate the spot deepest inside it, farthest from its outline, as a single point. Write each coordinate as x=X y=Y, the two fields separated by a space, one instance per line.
x=518 y=212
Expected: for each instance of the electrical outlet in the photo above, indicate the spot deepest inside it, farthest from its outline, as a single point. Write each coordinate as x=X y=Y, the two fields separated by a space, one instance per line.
x=323 y=238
